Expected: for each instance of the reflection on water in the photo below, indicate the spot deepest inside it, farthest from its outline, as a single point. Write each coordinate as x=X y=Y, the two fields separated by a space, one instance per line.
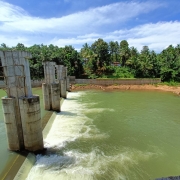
x=119 y=135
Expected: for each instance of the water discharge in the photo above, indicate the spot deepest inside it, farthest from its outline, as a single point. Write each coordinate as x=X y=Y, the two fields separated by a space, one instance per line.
x=112 y=135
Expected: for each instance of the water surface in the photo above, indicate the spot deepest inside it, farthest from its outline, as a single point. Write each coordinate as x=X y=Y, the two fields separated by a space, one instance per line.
x=113 y=135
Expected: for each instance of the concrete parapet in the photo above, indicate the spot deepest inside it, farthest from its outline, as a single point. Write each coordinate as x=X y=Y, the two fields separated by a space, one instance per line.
x=31 y=122
x=118 y=81
x=9 y=109
x=72 y=79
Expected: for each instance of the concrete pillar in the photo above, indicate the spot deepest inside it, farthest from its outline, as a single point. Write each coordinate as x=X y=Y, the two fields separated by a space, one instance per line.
x=18 y=115
x=9 y=110
x=51 y=88
x=67 y=83
x=63 y=88
x=64 y=76
x=59 y=69
x=55 y=91
x=46 y=96
x=49 y=71
x=31 y=122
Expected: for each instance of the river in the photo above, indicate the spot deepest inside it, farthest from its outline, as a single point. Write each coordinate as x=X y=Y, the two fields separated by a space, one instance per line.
x=112 y=135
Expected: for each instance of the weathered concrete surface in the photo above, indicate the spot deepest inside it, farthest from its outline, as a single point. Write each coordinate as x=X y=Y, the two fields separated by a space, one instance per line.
x=49 y=71
x=51 y=87
x=67 y=83
x=59 y=69
x=20 y=165
x=9 y=109
x=55 y=92
x=17 y=80
x=118 y=81
x=72 y=79
x=18 y=86
x=46 y=96
x=31 y=123
x=63 y=88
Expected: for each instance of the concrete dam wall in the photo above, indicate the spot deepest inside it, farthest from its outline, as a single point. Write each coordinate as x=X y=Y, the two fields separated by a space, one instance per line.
x=118 y=81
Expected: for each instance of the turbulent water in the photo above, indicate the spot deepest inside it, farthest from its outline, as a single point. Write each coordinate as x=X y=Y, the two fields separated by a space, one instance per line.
x=112 y=135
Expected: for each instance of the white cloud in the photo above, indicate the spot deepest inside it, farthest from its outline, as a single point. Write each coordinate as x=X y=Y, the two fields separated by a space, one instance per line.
x=16 y=25
x=13 y=40
x=157 y=36
x=16 y=19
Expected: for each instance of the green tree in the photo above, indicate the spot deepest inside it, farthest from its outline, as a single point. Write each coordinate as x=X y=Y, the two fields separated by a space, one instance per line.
x=124 y=52
x=114 y=51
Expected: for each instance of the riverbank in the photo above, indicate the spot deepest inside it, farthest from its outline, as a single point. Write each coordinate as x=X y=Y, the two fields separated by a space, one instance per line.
x=173 y=89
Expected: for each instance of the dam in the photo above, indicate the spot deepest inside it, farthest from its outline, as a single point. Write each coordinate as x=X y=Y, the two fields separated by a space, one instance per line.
x=106 y=135
x=98 y=135
x=112 y=135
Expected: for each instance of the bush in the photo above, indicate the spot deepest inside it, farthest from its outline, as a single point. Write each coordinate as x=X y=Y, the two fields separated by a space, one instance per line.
x=122 y=72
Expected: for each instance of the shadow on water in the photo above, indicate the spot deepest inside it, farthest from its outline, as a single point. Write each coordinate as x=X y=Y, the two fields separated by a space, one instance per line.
x=66 y=113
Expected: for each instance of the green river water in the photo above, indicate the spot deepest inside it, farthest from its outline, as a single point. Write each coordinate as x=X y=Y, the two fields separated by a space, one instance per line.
x=129 y=135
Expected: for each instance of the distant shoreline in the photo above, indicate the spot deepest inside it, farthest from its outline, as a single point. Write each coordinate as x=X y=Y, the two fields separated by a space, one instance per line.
x=173 y=89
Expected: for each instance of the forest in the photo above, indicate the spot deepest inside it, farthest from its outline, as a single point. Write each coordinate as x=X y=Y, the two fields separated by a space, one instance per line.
x=106 y=60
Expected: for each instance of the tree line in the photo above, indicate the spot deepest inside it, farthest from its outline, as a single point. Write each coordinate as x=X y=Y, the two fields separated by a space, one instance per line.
x=106 y=60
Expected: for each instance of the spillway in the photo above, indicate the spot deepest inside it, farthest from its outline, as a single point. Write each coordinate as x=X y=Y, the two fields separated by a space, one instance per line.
x=112 y=135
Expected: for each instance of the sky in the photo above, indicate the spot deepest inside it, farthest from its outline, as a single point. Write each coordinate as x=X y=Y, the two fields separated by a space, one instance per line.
x=152 y=23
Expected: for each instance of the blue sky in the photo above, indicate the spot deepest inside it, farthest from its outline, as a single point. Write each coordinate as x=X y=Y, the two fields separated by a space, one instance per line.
x=155 y=23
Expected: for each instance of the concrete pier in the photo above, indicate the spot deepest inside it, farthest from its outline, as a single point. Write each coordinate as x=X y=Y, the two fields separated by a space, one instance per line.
x=51 y=88
x=9 y=109
x=55 y=98
x=20 y=134
x=32 y=128
x=62 y=78
x=46 y=96
x=63 y=88
x=68 y=83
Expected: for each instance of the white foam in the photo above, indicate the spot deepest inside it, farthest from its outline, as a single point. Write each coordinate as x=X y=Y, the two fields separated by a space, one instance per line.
x=72 y=124
x=77 y=165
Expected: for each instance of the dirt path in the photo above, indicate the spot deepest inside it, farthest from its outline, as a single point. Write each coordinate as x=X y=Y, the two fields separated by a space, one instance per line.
x=174 y=89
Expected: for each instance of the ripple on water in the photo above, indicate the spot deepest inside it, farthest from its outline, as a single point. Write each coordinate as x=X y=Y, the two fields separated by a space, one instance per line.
x=62 y=163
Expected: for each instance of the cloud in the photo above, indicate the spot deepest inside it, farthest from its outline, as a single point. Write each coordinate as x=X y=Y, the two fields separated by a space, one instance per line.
x=157 y=36
x=16 y=25
x=14 y=18
x=11 y=13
